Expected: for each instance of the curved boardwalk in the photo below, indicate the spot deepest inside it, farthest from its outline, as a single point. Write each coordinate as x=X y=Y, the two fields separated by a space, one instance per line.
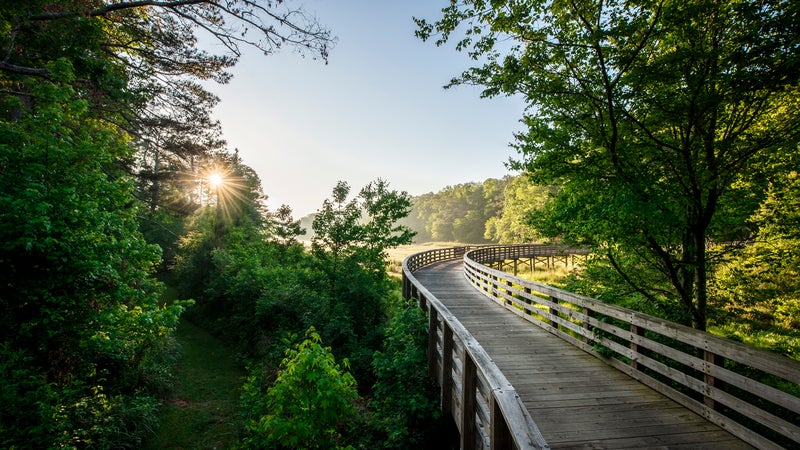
x=576 y=400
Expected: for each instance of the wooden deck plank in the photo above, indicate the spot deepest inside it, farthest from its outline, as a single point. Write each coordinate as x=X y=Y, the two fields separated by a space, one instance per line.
x=577 y=400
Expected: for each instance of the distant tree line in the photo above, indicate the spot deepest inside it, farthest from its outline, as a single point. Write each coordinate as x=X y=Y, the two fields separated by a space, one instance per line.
x=491 y=211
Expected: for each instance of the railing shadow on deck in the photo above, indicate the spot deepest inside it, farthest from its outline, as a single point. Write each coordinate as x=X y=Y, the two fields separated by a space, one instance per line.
x=715 y=377
x=488 y=411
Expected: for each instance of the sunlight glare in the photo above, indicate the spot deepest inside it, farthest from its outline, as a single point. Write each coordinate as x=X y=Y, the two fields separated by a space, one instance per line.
x=215 y=180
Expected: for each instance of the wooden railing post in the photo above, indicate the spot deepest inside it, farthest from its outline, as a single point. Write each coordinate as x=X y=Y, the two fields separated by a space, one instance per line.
x=554 y=312
x=433 y=325
x=636 y=331
x=499 y=435
x=587 y=313
x=469 y=378
x=447 y=369
x=528 y=294
x=711 y=359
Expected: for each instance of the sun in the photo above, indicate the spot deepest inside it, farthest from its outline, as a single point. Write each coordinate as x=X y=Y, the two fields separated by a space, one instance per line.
x=215 y=180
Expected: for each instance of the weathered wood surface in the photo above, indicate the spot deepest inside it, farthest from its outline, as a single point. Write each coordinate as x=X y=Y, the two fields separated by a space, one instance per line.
x=576 y=400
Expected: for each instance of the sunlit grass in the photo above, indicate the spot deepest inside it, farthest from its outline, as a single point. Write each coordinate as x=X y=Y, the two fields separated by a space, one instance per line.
x=778 y=341
x=398 y=254
x=554 y=275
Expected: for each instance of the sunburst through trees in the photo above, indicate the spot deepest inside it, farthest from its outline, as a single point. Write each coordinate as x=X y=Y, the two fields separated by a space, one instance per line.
x=222 y=188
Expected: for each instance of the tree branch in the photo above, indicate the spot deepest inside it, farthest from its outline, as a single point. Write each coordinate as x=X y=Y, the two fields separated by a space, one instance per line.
x=102 y=11
x=21 y=70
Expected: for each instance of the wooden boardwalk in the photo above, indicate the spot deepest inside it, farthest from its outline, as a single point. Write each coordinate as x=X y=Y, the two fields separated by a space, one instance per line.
x=577 y=400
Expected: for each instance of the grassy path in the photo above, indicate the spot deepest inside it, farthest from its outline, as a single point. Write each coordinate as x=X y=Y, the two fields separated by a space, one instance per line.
x=201 y=412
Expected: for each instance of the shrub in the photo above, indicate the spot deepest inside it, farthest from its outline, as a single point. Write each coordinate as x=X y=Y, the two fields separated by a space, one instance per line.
x=308 y=406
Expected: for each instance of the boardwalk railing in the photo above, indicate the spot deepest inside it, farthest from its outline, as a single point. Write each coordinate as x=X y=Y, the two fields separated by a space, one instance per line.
x=486 y=408
x=548 y=256
x=742 y=389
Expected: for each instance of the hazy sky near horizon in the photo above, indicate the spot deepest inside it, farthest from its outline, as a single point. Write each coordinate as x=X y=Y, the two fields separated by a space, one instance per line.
x=376 y=110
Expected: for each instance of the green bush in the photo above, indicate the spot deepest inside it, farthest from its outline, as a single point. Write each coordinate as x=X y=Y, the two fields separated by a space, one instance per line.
x=311 y=402
x=37 y=414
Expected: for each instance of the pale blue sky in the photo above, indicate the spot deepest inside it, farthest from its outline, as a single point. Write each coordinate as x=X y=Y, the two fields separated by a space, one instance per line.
x=376 y=110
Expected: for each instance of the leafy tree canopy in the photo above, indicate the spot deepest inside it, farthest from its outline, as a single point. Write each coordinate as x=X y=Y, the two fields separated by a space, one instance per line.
x=139 y=63
x=80 y=315
x=521 y=200
x=646 y=112
x=460 y=212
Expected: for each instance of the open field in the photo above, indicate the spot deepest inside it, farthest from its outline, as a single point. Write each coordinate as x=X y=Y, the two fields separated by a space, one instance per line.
x=397 y=255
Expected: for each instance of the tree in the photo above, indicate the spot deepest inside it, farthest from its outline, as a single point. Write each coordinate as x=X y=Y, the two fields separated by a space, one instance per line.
x=286 y=229
x=139 y=64
x=459 y=213
x=349 y=245
x=644 y=113
x=359 y=231
x=521 y=199
x=311 y=401
x=79 y=312
x=405 y=397
x=762 y=283
x=233 y=219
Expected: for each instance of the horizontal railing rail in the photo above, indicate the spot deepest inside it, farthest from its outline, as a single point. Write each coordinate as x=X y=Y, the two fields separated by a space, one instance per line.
x=492 y=254
x=488 y=411
x=749 y=392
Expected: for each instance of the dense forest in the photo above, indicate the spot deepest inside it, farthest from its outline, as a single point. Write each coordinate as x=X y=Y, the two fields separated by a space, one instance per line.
x=123 y=213
x=661 y=135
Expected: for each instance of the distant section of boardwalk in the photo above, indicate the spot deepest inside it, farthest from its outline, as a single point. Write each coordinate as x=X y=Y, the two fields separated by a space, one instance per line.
x=576 y=400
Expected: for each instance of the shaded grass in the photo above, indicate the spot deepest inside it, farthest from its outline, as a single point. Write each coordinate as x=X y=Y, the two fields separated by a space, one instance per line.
x=201 y=412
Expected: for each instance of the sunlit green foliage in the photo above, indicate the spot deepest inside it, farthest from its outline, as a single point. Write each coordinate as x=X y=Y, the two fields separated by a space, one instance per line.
x=521 y=200
x=759 y=289
x=309 y=405
x=458 y=213
x=350 y=243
